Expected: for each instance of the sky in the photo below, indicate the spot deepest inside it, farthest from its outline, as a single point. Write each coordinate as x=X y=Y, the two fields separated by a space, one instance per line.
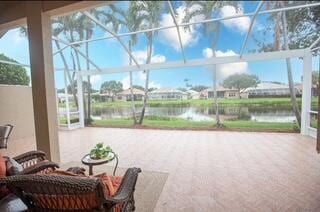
x=109 y=53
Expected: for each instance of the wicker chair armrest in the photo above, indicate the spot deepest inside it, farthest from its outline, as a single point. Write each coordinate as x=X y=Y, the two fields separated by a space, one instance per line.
x=41 y=167
x=127 y=186
x=30 y=156
x=3 y=181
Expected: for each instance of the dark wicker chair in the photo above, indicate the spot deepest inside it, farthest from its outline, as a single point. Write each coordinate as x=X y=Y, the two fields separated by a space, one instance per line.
x=66 y=193
x=35 y=162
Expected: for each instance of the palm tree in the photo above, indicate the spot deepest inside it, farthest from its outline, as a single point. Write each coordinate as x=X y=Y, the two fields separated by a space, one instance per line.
x=77 y=27
x=281 y=29
x=56 y=32
x=118 y=17
x=208 y=9
x=85 y=31
x=68 y=26
x=145 y=15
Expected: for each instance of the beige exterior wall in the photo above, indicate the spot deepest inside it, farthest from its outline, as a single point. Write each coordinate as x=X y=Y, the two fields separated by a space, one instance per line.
x=17 y=109
x=231 y=94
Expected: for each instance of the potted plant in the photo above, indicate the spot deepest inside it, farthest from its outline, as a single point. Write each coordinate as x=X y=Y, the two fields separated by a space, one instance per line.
x=100 y=151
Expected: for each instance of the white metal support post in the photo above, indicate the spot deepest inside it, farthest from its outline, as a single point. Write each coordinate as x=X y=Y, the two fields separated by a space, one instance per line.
x=80 y=99
x=67 y=98
x=178 y=30
x=306 y=93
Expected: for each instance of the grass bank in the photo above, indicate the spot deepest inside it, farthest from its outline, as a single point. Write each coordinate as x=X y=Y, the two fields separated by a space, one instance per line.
x=174 y=123
x=257 y=102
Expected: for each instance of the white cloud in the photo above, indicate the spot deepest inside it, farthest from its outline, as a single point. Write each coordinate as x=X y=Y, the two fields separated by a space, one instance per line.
x=154 y=85
x=170 y=36
x=141 y=57
x=95 y=79
x=225 y=70
x=207 y=52
x=239 y=24
x=17 y=37
x=142 y=79
x=125 y=82
x=138 y=79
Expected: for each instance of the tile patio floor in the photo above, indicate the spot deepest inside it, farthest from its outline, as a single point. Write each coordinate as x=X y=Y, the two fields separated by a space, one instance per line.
x=212 y=171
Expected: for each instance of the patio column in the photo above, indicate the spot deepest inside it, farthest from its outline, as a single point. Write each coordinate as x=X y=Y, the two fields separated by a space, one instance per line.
x=80 y=99
x=306 y=93
x=43 y=85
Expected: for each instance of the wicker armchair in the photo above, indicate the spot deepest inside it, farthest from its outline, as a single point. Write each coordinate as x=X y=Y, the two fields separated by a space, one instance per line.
x=35 y=162
x=65 y=193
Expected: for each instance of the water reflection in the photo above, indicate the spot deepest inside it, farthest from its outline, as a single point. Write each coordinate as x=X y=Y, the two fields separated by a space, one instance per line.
x=259 y=114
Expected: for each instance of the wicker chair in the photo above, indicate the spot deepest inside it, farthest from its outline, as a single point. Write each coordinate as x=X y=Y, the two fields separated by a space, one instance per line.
x=66 y=193
x=35 y=162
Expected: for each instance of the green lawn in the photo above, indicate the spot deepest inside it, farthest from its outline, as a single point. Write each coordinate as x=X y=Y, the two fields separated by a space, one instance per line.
x=263 y=102
x=185 y=124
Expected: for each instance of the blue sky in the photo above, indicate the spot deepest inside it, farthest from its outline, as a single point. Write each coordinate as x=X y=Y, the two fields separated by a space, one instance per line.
x=109 y=53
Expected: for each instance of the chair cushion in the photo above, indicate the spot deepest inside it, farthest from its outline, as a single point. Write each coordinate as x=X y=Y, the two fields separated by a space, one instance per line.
x=3 y=167
x=63 y=202
x=12 y=203
x=3 y=173
x=13 y=167
x=111 y=183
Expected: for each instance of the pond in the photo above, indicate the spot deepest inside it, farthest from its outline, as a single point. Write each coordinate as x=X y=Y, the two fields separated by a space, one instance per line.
x=259 y=114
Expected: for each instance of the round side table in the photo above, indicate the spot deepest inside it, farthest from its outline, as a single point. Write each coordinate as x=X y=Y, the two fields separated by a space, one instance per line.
x=87 y=160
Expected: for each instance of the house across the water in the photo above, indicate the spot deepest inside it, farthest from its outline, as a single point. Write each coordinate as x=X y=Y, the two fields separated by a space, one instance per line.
x=192 y=94
x=222 y=92
x=125 y=95
x=167 y=94
x=270 y=89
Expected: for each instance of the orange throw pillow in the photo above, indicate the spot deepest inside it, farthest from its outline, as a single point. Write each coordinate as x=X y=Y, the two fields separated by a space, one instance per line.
x=3 y=173
x=3 y=167
x=112 y=184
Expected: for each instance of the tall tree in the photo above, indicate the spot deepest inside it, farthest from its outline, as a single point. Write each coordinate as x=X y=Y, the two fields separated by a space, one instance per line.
x=12 y=74
x=118 y=17
x=58 y=27
x=68 y=26
x=145 y=15
x=315 y=79
x=85 y=31
x=199 y=88
x=291 y=30
x=208 y=10
x=111 y=87
x=241 y=81
x=138 y=87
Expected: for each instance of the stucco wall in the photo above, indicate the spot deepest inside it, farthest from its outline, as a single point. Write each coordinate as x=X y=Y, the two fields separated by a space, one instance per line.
x=16 y=108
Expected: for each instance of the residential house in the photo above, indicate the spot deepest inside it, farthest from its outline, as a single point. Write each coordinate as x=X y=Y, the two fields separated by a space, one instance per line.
x=270 y=89
x=222 y=92
x=62 y=97
x=192 y=94
x=125 y=95
x=167 y=94
x=106 y=97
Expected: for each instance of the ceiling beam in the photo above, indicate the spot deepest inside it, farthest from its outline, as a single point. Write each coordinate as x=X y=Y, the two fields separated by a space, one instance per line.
x=76 y=49
x=201 y=22
x=250 y=27
x=178 y=29
x=314 y=43
x=113 y=34
x=203 y=62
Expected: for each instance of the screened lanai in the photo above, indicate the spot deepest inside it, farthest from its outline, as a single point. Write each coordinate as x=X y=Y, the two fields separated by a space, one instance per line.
x=178 y=25
x=181 y=24
x=183 y=169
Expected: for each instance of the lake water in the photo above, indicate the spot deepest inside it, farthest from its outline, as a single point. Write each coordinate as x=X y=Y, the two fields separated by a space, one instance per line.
x=259 y=114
